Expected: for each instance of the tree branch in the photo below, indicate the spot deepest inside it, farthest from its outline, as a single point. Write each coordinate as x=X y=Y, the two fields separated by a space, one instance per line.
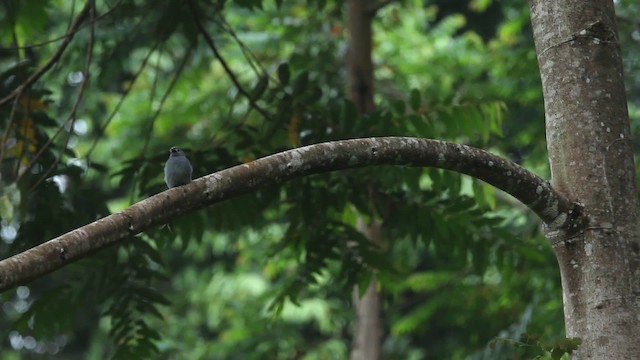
x=54 y=59
x=66 y=34
x=224 y=64
x=17 y=92
x=71 y=119
x=553 y=208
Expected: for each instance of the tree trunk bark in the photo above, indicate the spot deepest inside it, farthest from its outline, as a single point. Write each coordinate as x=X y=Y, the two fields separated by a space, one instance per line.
x=367 y=339
x=360 y=65
x=591 y=160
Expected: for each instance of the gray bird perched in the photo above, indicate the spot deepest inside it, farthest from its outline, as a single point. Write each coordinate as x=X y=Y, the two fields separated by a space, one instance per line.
x=177 y=169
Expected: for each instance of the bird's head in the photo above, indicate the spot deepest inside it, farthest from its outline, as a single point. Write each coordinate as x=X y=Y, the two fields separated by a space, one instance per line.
x=176 y=151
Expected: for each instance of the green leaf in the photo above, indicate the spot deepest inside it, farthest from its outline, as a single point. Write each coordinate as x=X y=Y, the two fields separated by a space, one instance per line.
x=284 y=74
x=259 y=88
x=364 y=282
x=300 y=84
x=10 y=201
x=399 y=107
x=145 y=248
x=415 y=99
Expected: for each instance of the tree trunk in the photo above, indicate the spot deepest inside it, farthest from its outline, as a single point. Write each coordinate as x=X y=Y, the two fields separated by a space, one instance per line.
x=367 y=339
x=359 y=63
x=591 y=160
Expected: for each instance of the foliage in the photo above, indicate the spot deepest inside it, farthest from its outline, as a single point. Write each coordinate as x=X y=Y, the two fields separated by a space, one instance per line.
x=269 y=274
x=558 y=349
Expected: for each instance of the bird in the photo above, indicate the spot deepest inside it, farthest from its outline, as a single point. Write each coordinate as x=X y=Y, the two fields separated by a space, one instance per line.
x=177 y=169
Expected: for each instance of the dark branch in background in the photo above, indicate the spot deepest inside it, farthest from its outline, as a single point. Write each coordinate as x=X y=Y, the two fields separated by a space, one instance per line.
x=71 y=119
x=224 y=64
x=61 y=37
x=73 y=11
x=154 y=117
x=124 y=95
x=151 y=114
x=251 y=58
x=54 y=59
x=5 y=135
x=17 y=92
x=554 y=209
x=165 y=96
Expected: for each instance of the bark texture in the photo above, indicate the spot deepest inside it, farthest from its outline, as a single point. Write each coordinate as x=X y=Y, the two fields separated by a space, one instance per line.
x=359 y=61
x=525 y=186
x=592 y=163
x=369 y=330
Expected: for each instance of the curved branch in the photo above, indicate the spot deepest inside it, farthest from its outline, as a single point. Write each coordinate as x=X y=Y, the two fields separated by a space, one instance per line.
x=553 y=208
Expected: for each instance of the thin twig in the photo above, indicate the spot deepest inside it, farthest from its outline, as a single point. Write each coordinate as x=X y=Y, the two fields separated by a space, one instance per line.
x=53 y=60
x=22 y=128
x=151 y=118
x=71 y=119
x=164 y=98
x=68 y=33
x=14 y=38
x=153 y=114
x=16 y=94
x=5 y=135
x=224 y=64
x=116 y=109
x=248 y=54
x=73 y=10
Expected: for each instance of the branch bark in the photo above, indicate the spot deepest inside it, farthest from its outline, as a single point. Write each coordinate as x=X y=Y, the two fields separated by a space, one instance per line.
x=525 y=186
x=360 y=84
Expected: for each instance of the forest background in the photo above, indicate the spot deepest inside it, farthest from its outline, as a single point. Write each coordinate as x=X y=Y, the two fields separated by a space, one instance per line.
x=269 y=275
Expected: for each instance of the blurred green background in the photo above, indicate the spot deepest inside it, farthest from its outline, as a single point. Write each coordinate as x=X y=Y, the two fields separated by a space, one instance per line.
x=266 y=275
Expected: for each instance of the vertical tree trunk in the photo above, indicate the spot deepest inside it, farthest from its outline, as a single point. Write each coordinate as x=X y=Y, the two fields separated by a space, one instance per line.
x=368 y=328
x=591 y=162
x=367 y=339
x=359 y=62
